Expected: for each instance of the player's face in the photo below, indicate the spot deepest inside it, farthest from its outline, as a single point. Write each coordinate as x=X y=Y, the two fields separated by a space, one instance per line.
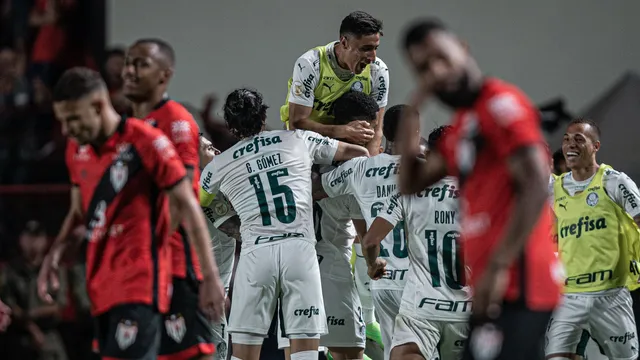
x=207 y=152
x=440 y=62
x=80 y=119
x=359 y=51
x=143 y=72
x=114 y=66
x=578 y=145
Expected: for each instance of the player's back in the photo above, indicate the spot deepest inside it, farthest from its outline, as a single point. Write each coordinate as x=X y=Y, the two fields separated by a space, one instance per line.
x=267 y=179
x=436 y=287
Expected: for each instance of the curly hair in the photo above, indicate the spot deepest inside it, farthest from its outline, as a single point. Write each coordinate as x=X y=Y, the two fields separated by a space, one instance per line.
x=354 y=105
x=245 y=113
x=392 y=119
x=436 y=134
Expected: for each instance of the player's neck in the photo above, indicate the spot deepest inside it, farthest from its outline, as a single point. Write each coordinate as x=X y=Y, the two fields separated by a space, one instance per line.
x=338 y=53
x=143 y=108
x=110 y=123
x=390 y=149
x=585 y=172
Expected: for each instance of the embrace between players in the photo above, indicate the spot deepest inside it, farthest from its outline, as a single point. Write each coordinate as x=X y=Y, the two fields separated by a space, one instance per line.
x=149 y=246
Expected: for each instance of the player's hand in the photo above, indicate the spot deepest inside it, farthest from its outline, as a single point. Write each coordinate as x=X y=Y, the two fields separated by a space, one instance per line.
x=377 y=269
x=489 y=292
x=48 y=280
x=211 y=298
x=357 y=132
x=5 y=316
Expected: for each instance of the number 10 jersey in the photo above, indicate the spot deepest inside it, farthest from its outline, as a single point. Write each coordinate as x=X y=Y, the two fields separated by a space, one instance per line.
x=267 y=179
x=435 y=288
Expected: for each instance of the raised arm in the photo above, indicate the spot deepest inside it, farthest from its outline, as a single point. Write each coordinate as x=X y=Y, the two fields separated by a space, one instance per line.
x=348 y=151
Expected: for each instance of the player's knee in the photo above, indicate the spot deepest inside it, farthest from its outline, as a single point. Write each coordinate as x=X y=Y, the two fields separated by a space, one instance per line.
x=347 y=352
x=409 y=351
x=247 y=339
x=304 y=342
x=560 y=357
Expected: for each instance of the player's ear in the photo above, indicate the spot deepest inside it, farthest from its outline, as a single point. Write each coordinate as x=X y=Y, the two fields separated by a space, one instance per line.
x=596 y=145
x=343 y=41
x=380 y=150
x=166 y=75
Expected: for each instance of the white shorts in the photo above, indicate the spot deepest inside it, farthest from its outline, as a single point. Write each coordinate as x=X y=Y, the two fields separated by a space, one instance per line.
x=387 y=307
x=288 y=272
x=220 y=338
x=608 y=316
x=431 y=335
x=344 y=315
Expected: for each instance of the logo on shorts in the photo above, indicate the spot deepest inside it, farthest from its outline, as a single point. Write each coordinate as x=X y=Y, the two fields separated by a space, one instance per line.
x=126 y=333
x=175 y=327
x=486 y=342
x=307 y=312
x=334 y=321
x=622 y=339
x=592 y=199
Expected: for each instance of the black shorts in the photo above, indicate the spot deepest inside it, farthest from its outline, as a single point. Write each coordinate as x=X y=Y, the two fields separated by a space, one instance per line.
x=186 y=331
x=129 y=331
x=518 y=334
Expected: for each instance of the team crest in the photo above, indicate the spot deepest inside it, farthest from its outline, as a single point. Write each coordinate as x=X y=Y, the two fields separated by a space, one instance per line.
x=221 y=208
x=176 y=327
x=357 y=86
x=119 y=175
x=126 y=333
x=592 y=199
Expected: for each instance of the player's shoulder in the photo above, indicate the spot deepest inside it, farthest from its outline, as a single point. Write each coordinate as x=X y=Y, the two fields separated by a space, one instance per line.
x=610 y=174
x=379 y=66
x=505 y=102
x=140 y=133
x=311 y=58
x=172 y=112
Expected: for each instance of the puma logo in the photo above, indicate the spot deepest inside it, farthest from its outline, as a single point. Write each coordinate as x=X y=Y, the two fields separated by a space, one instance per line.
x=564 y=206
x=301 y=67
x=327 y=85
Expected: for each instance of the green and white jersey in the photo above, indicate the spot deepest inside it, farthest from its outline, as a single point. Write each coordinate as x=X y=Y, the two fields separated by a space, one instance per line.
x=434 y=287
x=267 y=179
x=372 y=181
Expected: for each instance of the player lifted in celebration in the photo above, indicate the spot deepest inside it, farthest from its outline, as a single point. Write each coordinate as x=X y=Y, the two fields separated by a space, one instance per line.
x=267 y=178
x=597 y=242
x=120 y=168
x=323 y=74
x=436 y=304
x=497 y=151
x=147 y=72
x=372 y=181
x=335 y=233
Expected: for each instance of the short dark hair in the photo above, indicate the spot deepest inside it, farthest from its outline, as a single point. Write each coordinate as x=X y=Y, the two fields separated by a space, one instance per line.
x=115 y=51
x=244 y=112
x=436 y=134
x=558 y=156
x=77 y=83
x=360 y=23
x=354 y=105
x=420 y=29
x=392 y=119
x=591 y=123
x=165 y=48
x=34 y=228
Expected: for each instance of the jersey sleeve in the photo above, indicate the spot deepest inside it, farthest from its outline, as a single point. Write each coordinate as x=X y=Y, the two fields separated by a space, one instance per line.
x=354 y=208
x=322 y=149
x=184 y=135
x=70 y=152
x=393 y=209
x=511 y=122
x=209 y=183
x=623 y=191
x=380 y=82
x=304 y=80
x=159 y=158
x=342 y=180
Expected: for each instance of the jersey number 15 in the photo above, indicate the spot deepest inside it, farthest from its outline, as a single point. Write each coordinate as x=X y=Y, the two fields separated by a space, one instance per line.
x=285 y=204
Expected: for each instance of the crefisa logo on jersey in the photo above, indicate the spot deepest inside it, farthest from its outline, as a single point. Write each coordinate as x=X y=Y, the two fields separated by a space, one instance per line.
x=126 y=333
x=254 y=146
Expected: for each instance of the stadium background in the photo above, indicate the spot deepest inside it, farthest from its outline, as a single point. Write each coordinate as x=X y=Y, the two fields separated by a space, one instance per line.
x=582 y=51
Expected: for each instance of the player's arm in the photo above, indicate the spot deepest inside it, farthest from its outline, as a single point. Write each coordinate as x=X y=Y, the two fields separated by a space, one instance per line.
x=381 y=226
x=625 y=193
x=186 y=139
x=48 y=279
x=380 y=92
x=343 y=179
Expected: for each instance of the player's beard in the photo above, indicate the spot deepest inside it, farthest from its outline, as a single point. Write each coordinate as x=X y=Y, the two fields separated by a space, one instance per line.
x=464 y=96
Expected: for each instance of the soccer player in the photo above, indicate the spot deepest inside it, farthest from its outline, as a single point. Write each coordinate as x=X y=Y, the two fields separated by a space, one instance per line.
x=267 y=178
x=497 y=151
x=323 y=74
x=597 y=211
x=372 y=181
x=224 y=227
x=335 y=234
x=436 y=303
x=120 y=168
x=147 y=72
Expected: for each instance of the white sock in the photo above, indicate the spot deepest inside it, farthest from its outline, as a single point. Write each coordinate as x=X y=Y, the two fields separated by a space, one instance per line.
x=305 y=355
x=362 y=284
x=235 y=358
